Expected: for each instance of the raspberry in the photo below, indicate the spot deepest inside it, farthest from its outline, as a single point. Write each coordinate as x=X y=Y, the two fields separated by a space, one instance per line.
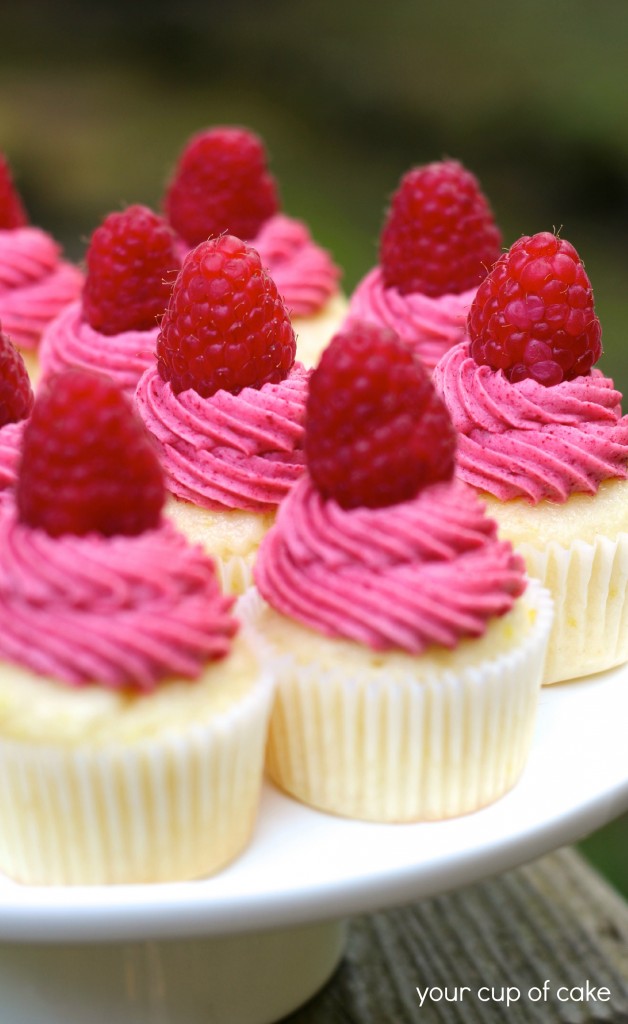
x=16 y=393
x=439 y=236
x=221 y=183
x=131 y=265
x=376 y=432
x=225 y=326
x=12 y=212
x=87 y=463
x=533 y=316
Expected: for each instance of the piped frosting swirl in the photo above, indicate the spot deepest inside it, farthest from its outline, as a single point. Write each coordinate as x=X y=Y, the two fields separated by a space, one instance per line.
x=524 y=440
x=70 y=341
x=35 y=283
x=428 y=325
x=305 y=274
x=241 y=451
x=426 y=571
x=124 y=612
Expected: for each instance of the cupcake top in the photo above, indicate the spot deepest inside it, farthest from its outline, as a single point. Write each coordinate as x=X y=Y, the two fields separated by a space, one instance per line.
x=16 y=402
x=377 y=543
x=536 y=419
x=35 y=282
x=222 y=183
x=438 y=241
x=131 y=261
x=109 y=591
x=225 y=400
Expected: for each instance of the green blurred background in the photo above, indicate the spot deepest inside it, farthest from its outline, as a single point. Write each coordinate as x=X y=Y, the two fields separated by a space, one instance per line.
x=97 y=99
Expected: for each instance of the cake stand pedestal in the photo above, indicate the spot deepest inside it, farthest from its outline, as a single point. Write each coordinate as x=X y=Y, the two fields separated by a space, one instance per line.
x=238 y=979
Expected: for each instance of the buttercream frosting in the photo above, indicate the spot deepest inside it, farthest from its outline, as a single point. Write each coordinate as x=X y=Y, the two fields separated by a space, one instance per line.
x=35 y=283
x=305 y=274
x=69 y=341
x=124 y=612
x=525 y=440
x=425 y=571
x=428 y=325
x=241 y=451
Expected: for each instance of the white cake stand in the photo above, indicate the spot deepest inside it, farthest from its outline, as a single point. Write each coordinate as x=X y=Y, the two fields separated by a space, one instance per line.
x=253 y=943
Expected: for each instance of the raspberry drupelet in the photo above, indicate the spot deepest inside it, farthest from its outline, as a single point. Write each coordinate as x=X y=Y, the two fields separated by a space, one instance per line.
x=87 y=462
x=439 y=236
x=16 y=393
x=12 y=212
x=376 y=431
x=534 y=314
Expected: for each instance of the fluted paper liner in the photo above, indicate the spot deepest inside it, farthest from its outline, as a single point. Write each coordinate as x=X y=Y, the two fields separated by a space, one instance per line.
x=421 y=747
x=174 y=807
x=589 y=586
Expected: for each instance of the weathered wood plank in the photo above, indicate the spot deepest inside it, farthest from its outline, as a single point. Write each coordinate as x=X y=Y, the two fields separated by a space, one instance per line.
x=543 y=931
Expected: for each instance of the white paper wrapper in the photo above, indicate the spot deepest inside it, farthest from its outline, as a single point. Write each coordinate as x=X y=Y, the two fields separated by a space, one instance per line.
x=177 y=806
x=429 y=745
x=589 y=587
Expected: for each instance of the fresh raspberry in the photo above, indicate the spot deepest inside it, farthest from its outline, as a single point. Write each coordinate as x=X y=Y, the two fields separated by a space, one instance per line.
x=12 y=212
x=533 y=316
x=439 y=236
x=221 y=184
x=225 y=326
x=87 y=463
x=376 y=432
x=131 y=265
x=16 y=393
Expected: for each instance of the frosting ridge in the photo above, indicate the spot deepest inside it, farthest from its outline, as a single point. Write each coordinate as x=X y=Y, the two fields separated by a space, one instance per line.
x=305 y=274
x=428 y=325
x=118 y=611
x=425 y=571
x=241 y=451
x=70 y=341
x=35 y=283
x=525 y=440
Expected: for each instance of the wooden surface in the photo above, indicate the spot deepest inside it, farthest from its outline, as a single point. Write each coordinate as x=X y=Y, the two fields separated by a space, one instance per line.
x=554 y=923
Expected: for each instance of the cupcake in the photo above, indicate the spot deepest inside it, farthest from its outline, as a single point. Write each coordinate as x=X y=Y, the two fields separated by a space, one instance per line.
x=222 y=184
x=16 y=402
x=438 y=242
x=544 y=443
x=132 y=716
x=225 y=403
x=112 y=328
x=35 y=282
x=406 y=646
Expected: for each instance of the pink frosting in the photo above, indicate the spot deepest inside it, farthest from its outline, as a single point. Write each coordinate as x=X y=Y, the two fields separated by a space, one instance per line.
x=69 y=341
x=525 y=440
x=10 y=444
x=118 y=611
x=241 y=451
x=429 y=326
x=425 y=571
x=305 y=275
x=35 y=283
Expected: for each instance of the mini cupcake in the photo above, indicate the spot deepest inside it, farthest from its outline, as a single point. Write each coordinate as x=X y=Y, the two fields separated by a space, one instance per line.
x=35 y=282
x=16 y=402
x=544 y=442
x=225 y=403
x=438 y=242
x=132 y=718
x=112 y=328
x=222 y=184
x=406 y=646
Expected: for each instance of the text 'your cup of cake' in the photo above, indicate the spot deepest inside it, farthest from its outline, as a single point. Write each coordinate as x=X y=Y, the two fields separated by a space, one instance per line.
x=543 y=440
x=407 y=644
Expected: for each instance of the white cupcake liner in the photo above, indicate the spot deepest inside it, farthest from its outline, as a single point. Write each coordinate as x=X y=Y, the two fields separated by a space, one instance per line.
x=589 y=586
x=235 y=574
x=422 y=745
x=176 y=806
